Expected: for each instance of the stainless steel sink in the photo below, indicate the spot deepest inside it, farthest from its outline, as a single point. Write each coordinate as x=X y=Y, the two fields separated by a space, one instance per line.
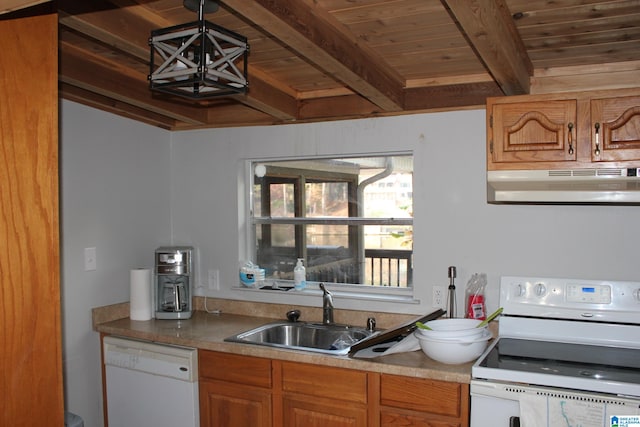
x=316 y=337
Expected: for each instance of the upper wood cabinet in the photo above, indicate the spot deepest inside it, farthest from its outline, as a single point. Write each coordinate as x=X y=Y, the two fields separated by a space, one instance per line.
x=580 y=130
x=534 y=131
x=615 y=129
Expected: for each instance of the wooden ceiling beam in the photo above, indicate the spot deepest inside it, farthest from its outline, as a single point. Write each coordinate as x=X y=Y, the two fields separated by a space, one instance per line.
x=128 y=29
x=419 y=99
x=76 y=69
x=270 y=100
x=322 y=40
x=491 y=31
x=122 y=29
x=13 y=5
x=92 y=99
x=450 y=96
x=338 y=108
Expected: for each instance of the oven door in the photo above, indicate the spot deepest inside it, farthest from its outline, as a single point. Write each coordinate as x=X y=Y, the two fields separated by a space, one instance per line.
x=499 y=404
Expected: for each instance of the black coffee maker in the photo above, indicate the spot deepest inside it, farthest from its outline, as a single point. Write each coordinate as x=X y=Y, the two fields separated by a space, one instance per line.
x=173 y=282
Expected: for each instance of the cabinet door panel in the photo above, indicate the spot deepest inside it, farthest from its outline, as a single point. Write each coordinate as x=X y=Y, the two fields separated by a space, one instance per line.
x=615 y=129
x=534 y=132
x=308 y=411
x=421 y=394
x=231 y=405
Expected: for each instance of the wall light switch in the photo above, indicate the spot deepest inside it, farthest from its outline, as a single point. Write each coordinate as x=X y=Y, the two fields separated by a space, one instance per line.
x=89 y=259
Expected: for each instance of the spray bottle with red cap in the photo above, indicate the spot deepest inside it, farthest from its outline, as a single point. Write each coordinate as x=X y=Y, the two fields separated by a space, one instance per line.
x=474 y=297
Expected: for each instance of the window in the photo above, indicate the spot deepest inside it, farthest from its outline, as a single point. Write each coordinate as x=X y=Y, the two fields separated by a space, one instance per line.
x=351 y=219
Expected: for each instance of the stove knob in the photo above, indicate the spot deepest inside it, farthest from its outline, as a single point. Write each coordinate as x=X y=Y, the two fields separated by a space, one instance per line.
x=636 y=294
x=540 y=289
x=521 y=290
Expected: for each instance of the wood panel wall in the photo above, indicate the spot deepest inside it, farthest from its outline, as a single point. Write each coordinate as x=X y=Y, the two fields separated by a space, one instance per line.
x=30 y=328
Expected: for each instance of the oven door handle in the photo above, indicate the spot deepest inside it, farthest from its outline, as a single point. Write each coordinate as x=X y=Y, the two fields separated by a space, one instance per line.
x=514 y=421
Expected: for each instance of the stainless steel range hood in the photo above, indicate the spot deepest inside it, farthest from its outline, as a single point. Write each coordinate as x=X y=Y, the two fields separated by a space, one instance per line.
x=568 y=186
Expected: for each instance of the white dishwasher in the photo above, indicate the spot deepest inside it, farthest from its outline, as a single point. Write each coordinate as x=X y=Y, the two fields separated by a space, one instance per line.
x=150 y=385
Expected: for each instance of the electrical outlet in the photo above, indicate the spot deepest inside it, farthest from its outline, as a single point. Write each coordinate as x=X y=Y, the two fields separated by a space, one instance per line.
x=214 y=279
x=438 y=297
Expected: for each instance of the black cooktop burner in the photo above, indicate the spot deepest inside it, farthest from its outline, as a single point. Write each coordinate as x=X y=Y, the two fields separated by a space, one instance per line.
x=563 y=359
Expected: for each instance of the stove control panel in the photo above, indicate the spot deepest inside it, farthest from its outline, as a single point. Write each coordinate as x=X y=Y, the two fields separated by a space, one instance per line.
x=592 y=293
x=613 y=301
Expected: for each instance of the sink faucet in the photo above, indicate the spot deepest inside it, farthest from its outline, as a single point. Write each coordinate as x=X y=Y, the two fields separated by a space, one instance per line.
x=327 y=305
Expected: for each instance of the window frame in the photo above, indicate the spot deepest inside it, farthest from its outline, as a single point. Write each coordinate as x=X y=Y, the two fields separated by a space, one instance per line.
x=358 y=291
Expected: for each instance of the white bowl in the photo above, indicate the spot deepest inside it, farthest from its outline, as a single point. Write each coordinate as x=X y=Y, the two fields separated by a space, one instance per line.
x=453 y=352
x=453 y=329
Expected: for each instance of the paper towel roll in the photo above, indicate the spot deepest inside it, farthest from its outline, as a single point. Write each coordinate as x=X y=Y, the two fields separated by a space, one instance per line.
x=140 y=304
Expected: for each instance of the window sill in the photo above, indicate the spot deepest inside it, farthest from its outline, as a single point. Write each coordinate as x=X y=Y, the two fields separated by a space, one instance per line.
x=380 y=294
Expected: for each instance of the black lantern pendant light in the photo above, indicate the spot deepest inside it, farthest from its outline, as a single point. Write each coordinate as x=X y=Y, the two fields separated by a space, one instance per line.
x=198 y=60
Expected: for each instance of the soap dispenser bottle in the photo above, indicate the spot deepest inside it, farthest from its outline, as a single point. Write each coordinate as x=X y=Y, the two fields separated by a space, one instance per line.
x=299 y=275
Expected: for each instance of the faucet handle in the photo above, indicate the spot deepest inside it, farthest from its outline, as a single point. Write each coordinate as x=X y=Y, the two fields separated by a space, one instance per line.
x=371 y=324
x=293 y=315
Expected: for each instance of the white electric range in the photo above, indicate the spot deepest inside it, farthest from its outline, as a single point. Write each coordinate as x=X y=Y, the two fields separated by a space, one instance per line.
x=567 y=354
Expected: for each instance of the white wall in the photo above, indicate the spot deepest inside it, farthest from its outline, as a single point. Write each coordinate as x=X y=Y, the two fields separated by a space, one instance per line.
x=453 y=223
x=114 y=197
x=126 y=185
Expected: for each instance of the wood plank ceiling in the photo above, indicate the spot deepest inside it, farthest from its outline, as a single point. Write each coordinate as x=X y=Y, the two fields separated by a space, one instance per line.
x=319 y=60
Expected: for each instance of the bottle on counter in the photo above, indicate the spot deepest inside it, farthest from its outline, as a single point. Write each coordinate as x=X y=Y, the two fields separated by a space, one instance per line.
x=299 y=275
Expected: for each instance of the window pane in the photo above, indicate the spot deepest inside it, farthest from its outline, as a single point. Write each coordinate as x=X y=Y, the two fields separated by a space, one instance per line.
x=390 y=197
x=282 y=200
x=327 y=199
x=329 y=258
x=283 y=235
x=388 y=255
x=318 y=195
x=335 y=236
x=388 y=237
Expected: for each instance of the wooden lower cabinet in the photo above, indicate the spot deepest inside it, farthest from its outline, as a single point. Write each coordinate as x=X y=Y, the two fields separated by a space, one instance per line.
x=321 y=396
x=232 y=405
x=239 y=391
x=422 y=402
x=311 y=411
x=235 y=391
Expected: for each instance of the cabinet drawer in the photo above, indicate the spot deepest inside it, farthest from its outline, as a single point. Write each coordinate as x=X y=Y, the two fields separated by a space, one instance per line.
x=347 y=384
x=235 y=368
x=420 y=394
x=414 y=419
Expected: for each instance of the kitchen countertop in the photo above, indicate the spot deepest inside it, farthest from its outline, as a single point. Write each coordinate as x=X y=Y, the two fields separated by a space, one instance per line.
x=207 y=331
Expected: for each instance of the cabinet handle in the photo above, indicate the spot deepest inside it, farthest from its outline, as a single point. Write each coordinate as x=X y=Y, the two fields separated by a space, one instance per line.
x=597 y=151
x=570 y=138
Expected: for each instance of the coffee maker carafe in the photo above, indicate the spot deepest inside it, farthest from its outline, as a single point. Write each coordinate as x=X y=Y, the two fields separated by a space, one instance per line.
x=174 y=280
